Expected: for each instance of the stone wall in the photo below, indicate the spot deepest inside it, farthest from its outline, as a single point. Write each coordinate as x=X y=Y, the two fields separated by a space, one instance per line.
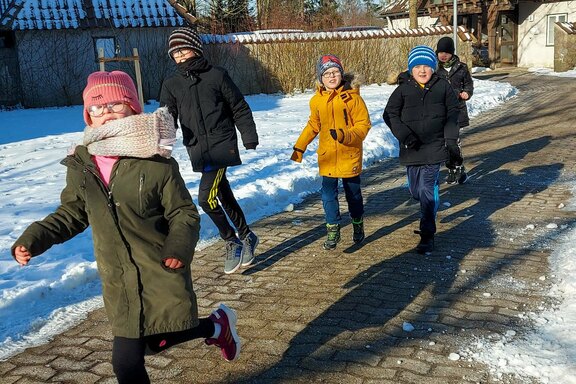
x=564 y=47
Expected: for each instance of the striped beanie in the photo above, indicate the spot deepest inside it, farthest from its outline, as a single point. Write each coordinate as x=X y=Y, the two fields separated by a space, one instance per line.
x=184 y=38
x=422 y=55
x=108 y=87
x=326 y=62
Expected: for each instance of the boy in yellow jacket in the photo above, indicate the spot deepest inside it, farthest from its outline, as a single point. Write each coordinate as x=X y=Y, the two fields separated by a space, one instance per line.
x=338 y=115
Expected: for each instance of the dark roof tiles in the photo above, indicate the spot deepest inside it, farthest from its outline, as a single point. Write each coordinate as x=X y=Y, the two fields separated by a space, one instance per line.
x=72 y=14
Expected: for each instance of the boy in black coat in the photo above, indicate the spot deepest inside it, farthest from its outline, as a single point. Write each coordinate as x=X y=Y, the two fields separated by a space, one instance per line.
x=452 y=69
x=422 y=113
x=210 y=107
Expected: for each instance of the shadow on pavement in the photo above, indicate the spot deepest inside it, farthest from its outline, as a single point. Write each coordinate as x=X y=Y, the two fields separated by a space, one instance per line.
x=378 y=297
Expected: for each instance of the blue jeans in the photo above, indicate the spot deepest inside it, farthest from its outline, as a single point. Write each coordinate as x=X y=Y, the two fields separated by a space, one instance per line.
x=330 y=198
x=423 y=186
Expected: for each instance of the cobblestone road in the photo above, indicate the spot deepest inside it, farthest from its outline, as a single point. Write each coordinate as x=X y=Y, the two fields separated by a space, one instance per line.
x=307 y=315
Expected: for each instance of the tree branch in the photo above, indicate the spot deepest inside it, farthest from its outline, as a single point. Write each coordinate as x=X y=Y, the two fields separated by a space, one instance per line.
x=182 y=11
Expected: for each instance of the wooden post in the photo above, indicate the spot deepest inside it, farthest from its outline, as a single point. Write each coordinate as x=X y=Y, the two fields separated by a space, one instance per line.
x=100 y=57
x=138 y=76
x=491 y=25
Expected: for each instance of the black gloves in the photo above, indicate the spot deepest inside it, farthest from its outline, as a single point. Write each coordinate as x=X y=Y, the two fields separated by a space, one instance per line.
x=297 y=155
x=250 y=145
x=453 y=148
x=412 y=141
x=339 y=135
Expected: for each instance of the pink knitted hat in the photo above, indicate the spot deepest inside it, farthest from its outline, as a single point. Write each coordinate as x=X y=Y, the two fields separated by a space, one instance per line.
x=108 y=87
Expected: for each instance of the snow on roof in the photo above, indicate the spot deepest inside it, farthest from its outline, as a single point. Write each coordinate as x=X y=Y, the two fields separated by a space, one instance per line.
x=569 y=28
x=399 y=7
x=72 y=14
x=255 y=37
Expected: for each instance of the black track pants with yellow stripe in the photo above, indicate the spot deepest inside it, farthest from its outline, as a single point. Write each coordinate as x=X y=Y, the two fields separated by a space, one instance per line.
x=217 y=200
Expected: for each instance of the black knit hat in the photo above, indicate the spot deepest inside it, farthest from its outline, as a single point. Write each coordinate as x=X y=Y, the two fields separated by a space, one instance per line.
x=184 y=38
x=445 y=44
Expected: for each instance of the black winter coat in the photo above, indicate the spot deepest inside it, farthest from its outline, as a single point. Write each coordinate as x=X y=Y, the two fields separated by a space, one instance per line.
x=429 y=113
x=461 y=80
x=210 y=107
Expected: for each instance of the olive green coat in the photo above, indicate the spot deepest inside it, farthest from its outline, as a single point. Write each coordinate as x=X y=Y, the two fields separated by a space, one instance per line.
x=144 y=216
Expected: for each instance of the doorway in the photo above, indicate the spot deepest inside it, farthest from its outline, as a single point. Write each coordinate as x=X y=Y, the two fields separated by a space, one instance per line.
x=507 y=39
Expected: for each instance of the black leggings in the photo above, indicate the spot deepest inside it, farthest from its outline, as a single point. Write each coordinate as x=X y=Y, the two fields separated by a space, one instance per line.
x=128 y=354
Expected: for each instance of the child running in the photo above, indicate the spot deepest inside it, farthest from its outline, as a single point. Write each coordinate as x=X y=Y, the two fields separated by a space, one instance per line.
x=339 y=117
x=209 y=107
x=422 y=113
x=123 y=182
x=456 y=72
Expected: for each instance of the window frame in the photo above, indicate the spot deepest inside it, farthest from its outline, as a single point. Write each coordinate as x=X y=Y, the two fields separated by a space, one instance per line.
x=109 y=52
x=550 y=31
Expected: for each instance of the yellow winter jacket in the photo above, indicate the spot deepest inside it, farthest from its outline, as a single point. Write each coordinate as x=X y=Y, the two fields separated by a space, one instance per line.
x=343 y=110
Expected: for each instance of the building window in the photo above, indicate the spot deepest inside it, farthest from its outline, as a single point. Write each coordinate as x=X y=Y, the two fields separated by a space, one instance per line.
x=106 y=45
x=551 y=20
x=6 y=39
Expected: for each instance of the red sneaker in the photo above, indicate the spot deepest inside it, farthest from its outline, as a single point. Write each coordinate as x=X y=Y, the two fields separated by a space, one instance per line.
x=228 y=339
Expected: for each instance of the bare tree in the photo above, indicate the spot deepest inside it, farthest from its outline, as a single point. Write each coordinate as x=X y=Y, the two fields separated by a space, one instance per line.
x=186 y=9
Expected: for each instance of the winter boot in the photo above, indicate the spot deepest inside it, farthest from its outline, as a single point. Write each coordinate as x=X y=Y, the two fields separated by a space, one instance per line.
x=426 y=244
x=358 y=225
x=452 y=178
x=461 y=175
x=457 y=175
x=333 y=236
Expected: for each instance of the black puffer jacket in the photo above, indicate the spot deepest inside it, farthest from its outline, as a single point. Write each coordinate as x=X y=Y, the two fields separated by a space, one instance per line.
x=461 y=80
x=429 y=113
x=210 y=107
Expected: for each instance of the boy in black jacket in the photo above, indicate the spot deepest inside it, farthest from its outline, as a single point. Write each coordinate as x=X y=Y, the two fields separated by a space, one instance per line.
x=452 y=69
x=210 y=107
x=422 y=113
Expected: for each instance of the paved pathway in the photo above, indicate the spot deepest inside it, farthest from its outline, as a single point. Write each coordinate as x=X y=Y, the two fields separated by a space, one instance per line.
x=307 y=315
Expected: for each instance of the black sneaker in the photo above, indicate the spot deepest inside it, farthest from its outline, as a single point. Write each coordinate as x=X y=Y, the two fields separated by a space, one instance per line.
x=358 y=225
x=333 y=236
x=426 y=244
x=452 y=177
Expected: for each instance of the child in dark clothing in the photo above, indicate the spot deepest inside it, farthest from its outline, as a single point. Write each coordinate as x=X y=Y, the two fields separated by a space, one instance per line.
x=210 y=107
x=422 y=113
x=124 y=184
x=452 y=69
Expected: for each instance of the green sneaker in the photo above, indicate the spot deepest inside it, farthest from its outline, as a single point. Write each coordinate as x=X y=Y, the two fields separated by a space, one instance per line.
x=333 y=236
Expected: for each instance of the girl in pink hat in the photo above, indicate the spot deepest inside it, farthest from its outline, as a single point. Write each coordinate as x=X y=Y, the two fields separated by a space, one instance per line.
x=123 y=182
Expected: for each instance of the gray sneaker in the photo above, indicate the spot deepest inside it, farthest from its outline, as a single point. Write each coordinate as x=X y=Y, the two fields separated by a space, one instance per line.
x=233 y=256
x=249 y=248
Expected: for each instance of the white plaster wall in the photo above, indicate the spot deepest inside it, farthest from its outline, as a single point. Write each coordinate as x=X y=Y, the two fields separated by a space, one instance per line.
x=532 y=49
x=424 y=21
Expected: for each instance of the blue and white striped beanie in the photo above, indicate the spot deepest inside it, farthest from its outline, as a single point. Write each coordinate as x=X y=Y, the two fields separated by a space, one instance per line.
x=422 y=55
